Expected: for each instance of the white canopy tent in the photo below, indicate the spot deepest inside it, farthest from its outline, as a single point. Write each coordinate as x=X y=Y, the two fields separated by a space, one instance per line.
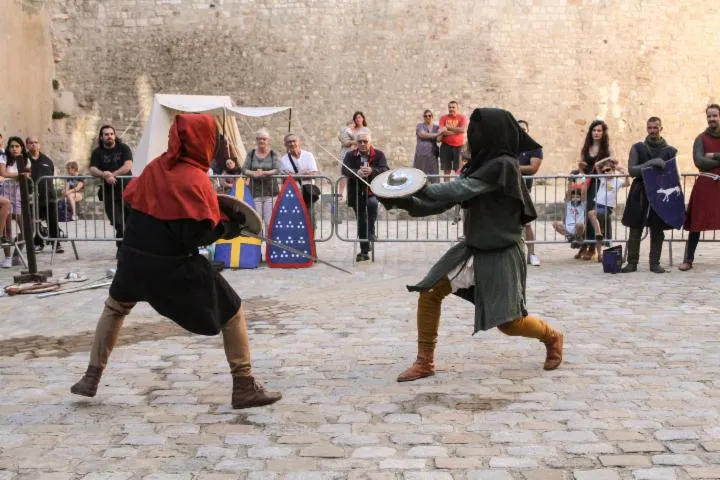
x=155 y=134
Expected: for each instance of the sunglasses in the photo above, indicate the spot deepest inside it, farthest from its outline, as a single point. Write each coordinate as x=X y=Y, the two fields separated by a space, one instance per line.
x=427 y=116
x=363 y=141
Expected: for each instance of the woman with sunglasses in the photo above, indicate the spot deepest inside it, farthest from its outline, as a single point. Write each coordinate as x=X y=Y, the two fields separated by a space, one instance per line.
x=426 y=149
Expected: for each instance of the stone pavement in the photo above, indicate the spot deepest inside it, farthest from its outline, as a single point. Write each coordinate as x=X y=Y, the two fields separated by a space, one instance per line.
x=638 y=396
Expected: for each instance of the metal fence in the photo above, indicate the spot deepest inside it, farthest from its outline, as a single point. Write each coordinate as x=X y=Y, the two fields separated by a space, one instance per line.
x=14 y=238
x=97 y=212
x=265 y=190
x=553 y=197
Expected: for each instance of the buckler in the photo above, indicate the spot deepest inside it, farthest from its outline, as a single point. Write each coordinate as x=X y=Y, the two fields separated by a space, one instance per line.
x=398 y=183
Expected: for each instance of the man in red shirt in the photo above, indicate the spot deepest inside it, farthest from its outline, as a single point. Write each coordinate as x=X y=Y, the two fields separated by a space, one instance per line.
x=452 y=138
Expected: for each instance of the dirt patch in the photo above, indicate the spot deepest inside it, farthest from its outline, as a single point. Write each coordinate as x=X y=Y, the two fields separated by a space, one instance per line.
x=257 y=310
x=469 y=402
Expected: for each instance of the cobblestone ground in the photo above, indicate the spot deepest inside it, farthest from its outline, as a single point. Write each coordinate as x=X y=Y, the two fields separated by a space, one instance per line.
x=637 y=398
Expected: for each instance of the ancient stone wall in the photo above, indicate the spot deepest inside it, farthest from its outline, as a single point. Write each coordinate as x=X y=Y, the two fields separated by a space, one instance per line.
x=27 y=69
x=557 y=63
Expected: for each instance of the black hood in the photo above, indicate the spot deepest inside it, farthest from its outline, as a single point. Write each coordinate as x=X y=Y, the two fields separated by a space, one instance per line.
x=493 y=132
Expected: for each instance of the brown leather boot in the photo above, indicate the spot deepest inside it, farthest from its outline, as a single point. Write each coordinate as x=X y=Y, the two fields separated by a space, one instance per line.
x=554 y=345
x=88 y=384
x=248 y=393
x=424 y=366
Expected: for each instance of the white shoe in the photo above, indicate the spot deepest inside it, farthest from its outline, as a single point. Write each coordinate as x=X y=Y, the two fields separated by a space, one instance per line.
x=534 y=260
x=7 y=263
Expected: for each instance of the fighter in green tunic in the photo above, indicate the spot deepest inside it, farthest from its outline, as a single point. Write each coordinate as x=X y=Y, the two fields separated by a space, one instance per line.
x=487 y=267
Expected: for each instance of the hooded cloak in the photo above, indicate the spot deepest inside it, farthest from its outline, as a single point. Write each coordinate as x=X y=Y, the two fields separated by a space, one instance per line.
x=495 y=140
x=175 y=185
x=495 y=204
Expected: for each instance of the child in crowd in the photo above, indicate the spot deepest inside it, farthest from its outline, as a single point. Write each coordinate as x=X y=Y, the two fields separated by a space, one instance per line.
x=74 y=187
x=573 y=228
x=606 y=198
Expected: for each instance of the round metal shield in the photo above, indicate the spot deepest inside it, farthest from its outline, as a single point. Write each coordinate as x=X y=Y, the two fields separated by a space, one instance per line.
x=231 y=206
x=398 y=183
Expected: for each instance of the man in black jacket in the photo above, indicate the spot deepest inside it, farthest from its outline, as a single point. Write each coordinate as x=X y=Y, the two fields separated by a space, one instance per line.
x=367 y=162
x=42 y=166
x=653 y=152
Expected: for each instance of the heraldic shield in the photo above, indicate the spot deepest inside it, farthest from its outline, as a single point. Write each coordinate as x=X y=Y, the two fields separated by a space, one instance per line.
x=664 y=193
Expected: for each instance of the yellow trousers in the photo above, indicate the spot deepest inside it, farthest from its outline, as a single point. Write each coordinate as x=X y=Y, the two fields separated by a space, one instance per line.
x=428 y=318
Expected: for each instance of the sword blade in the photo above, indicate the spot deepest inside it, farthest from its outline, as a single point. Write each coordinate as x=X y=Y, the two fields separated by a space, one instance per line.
x=246 y=233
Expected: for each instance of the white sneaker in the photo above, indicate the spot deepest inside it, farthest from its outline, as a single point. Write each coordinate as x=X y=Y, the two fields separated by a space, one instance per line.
x=534 y=260
x=7 y=263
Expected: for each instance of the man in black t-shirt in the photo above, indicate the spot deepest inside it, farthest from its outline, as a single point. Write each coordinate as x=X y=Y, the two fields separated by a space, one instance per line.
x=112 y=159
x=529 y=164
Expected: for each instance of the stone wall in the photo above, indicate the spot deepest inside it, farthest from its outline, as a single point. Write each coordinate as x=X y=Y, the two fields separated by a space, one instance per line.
x=557 y=63
x=27 y=69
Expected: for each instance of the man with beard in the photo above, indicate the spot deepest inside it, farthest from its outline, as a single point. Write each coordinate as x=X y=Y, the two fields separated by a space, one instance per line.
x=653 y=152
x=488 y=266
x=42 y=166
x=702 y=211
x=111 y=159
x=174 y=211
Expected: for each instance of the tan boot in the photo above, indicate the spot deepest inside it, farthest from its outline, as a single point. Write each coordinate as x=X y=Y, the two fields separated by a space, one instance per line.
x=88 y=384
x=554 y=345
x=424 y=366
x=248 y=393
x=106 y=336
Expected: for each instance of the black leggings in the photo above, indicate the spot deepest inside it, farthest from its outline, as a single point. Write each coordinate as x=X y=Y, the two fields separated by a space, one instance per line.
x=692 y=243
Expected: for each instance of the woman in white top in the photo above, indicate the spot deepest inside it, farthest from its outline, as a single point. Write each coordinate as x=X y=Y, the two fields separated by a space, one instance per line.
x=606 y=197
x=15 y=155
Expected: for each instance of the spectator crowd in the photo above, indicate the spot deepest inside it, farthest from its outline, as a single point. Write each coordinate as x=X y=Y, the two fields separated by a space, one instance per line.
x=591 y=192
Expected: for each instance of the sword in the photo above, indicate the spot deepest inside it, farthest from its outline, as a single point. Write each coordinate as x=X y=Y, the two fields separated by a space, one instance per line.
x=247 y=233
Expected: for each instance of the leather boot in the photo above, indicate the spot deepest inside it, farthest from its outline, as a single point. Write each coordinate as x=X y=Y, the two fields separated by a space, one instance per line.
x=424 y=366
x=247 y=393
x=657 y=236
x=106 y=336
x=88 y=384
x=554 y=345
x=629 y=268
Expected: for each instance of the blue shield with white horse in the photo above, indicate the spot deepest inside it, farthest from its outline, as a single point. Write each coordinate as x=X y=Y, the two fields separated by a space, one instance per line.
x=662 y=187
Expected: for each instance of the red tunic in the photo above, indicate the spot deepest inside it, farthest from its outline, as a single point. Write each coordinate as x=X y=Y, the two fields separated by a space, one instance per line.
x=703 y=210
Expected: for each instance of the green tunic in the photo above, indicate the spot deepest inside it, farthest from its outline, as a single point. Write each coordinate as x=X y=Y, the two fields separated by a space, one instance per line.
x=492 y=237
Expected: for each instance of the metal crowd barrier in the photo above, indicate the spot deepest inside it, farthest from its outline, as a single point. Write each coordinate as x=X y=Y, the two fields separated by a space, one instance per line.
x=549 y=194
x=265 y=190
x=553 y=196
x=96 y=216
x=687 y=184
x=14 y=240
x=104 y=220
